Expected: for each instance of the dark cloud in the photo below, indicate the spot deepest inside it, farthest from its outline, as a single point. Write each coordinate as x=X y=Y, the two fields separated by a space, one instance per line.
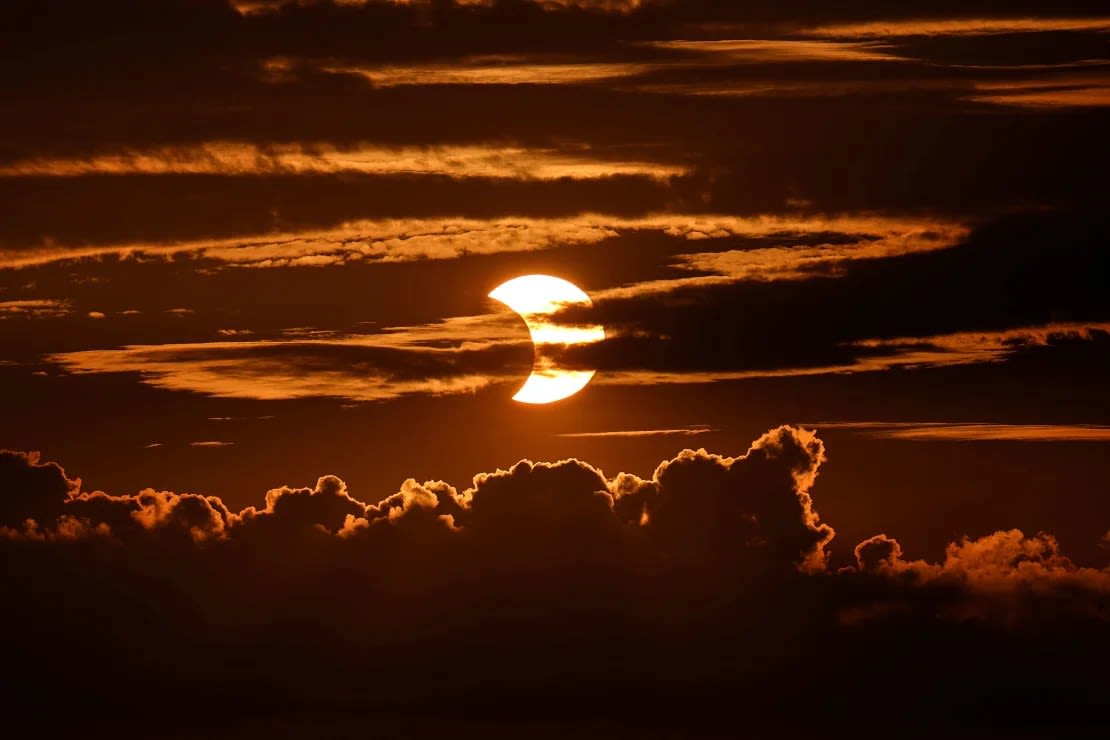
x=541 y=588
x=32 y=489
x=1029 y=269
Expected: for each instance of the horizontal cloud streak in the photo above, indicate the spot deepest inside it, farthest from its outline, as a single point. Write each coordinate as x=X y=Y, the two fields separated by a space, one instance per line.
x=401 y=240
x=37 y=308
x=510 y=70
x=973 y=432
x=242 y=158
x=957 y=27
x=690 y=431
x=756 y=51
x=468 y=354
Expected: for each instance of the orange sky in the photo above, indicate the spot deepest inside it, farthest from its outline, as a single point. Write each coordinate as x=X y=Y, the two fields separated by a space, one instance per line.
x=853 y=253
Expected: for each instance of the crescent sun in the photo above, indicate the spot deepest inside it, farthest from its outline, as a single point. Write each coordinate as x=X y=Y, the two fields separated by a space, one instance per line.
x=534 y=298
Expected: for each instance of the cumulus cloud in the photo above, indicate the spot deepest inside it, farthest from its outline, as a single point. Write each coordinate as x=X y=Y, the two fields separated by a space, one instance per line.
x=1007 y=576
x=539 y=585
x=759 y=501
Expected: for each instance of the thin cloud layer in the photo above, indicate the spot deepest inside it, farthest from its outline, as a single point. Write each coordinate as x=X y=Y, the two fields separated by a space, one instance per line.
x=964 y=432
x=690 y=431
x=241 y=158
x=984 y=26
x=404 y=240
x=34 y=308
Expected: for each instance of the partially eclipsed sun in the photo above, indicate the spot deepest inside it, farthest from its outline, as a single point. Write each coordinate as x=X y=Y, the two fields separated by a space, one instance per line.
x=534 y=298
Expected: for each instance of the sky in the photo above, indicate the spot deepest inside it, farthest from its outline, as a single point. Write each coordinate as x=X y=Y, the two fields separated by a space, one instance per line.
x=849 y=420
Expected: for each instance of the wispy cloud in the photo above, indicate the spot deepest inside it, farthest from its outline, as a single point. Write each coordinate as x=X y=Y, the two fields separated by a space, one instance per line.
x=690 y=431
x=1074 y=91
x=34 y=309
x=789 y=263
x=971 y=347
x=944 y=350
x=436 y=359
x=407 y=240
x=753 y=51
x=211 y=443
x=971 y=432
x=518 y=69
x=242 y=158
x=467 y=354
x=258 y=7
x=489 y=70
x=956 y=27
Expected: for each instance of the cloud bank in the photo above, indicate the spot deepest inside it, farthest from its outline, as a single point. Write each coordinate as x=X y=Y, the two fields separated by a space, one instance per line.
x=546 y=587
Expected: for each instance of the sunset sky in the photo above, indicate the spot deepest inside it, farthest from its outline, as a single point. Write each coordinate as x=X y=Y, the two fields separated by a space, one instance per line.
x=854 y=251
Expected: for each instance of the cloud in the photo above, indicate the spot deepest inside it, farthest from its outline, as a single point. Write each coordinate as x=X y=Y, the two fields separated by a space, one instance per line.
x=254 y=7
x=756 y=51
x=407 y=240
x=877 y=355
x=997 y=571
x=984 y=26
x=300 y=158
x=1058 y=91
x=522 y=69
x=459 y=355
x=467 y=354
x=39 y=308
x=797 y=262
x=973 y=432
x=759 y=501
x=690 y=431
x=520 y=585
x=496 y=70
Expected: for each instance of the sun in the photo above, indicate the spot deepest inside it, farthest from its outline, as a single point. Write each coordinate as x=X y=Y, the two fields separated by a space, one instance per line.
x=535 y=298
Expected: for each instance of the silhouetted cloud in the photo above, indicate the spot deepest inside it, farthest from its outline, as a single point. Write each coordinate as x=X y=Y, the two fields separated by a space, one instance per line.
x=638 y=584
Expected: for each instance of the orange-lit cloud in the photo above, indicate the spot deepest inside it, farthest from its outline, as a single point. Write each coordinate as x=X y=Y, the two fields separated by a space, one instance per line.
x=754 y=51
x=945 y=350
x=956 y=27
x=531 y=70
x=450 y=357
x=239 y=158
x=257 y=7
x=261 y=370
x=403 y=240
x=690 y=431
x=965 y=432
x=34 y=309
x=1005 y=563
x=1074 y=91
x=500 y=70
x=973 y=347
x=788 y=263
